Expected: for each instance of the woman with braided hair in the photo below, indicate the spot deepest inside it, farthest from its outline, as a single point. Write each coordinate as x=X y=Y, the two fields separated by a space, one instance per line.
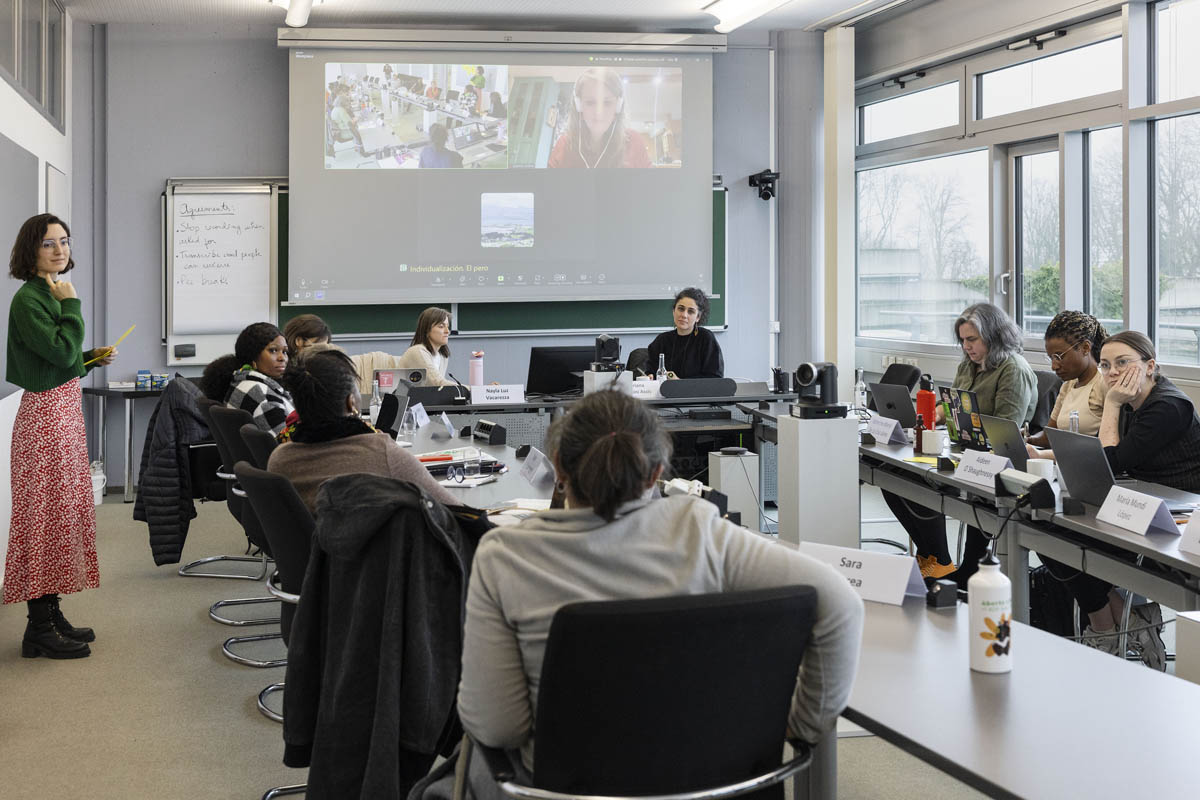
x=1073 y=341
x=331 y=438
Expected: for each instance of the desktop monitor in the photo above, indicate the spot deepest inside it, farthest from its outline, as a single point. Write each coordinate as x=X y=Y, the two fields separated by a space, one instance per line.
x=451 y=95
x=558 y=370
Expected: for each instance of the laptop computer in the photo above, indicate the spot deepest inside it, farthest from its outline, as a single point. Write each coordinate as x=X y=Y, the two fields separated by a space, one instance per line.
x=894 y=402
x=1005 y=438
x=391 y=379
x=1088 y=477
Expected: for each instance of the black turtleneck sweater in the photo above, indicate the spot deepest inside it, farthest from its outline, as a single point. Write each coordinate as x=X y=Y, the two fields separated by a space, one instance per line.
x=1160 y=441
x=694 y=356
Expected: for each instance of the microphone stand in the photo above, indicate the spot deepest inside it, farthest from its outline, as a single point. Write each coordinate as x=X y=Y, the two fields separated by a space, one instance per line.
x=459 y=400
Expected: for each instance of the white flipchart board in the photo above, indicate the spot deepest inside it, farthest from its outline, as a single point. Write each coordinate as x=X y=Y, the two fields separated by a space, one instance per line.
x=221 y=260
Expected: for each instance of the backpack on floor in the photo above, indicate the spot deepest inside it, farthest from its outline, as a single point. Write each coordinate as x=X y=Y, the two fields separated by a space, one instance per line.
x=1050 y=603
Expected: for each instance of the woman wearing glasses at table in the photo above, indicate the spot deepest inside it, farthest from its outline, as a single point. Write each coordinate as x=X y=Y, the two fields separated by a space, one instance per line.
x=52 y=538
x=1073 y=341
x=1149 y=429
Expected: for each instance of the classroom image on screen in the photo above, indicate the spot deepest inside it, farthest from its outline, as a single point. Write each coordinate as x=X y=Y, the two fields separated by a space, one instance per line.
x=598 y=116
x=506 y=219
x=415 y=116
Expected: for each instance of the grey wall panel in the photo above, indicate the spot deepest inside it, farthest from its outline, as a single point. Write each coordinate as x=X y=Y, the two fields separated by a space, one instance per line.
x=18 y=202
x=801 y=141
x=741 y=147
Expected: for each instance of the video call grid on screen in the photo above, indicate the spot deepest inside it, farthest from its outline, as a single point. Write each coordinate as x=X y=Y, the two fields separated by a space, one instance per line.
x=498 y=176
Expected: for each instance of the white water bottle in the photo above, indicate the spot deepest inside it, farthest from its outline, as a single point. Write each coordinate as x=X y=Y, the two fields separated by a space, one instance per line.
x=989 y=595
x=376 y=401
x=1073 y=422
x=475 y=370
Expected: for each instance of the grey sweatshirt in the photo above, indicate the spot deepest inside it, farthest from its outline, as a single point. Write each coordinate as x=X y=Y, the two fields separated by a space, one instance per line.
x=677 y=545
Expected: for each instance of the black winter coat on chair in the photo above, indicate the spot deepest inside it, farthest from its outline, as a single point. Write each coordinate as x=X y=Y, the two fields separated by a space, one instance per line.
x=376 y=644
x=164 y=487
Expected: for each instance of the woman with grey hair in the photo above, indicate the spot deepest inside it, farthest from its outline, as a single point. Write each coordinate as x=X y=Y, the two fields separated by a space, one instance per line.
x=1005 y=386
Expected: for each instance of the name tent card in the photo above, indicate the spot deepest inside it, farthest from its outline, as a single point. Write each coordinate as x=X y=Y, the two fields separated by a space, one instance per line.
x=420 y=415
x=646 y=390
x=495 y=395
x=449 y=426
x=1136 y=511
x=886 y=430
x=981 y=468
x=539 y=470
x=1190 y=543
x=880 y=577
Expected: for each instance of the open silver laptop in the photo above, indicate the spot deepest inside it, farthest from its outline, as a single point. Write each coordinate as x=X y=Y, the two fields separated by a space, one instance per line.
x=1088 y=477
x=1004 y=437
x=391 y=379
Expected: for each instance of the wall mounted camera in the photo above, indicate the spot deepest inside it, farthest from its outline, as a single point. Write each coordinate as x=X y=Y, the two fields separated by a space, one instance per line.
x=765 y=183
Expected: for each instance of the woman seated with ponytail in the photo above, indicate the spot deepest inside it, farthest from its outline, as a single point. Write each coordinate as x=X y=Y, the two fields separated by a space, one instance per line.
x=616 y=540
x=249 y=378
x=331 y=438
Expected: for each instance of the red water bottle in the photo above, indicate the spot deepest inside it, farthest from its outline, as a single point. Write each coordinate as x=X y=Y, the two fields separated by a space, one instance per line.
x=927 y=402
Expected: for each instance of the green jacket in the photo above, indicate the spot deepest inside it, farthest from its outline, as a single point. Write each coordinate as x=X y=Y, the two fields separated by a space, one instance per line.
x=1008 y=391
x=45 y=339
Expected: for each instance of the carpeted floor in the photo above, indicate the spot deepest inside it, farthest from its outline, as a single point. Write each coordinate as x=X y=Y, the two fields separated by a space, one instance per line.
x=158 y=712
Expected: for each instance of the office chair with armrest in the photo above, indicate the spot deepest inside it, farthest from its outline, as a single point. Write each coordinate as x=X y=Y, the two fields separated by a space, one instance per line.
x=232 y=501
x=639 y=363
x=671 y=697
x=897 y=375
x=261 y=444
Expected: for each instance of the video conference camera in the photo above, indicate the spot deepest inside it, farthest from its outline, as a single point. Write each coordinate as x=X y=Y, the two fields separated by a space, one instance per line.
x=765 y=183
x=816 y=383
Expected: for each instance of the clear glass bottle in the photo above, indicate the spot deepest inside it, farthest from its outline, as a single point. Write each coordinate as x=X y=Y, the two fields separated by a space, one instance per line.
x=661 y=374
x=860 y=390
x=376 y=401
x=1074 y=422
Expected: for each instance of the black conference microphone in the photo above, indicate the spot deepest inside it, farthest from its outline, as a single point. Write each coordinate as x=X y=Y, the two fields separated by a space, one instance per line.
x=460 y=400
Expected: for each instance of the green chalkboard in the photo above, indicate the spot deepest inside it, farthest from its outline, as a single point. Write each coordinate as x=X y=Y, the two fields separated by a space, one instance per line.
x=596 y=315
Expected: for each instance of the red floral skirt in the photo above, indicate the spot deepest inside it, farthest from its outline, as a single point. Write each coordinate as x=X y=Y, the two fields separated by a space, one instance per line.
x=52 y=539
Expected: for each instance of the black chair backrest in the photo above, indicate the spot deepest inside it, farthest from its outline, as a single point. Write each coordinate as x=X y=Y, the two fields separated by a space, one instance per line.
x=1048 y=385
x=898 y=375
x=287 y=525
x=227 y=430
x=639 y=359
x=259 y=442
x=671 y=694
x=204 y=460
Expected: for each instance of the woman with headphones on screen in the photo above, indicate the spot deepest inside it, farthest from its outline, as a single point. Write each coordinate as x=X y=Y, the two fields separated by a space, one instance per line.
x=596 y=135
x=691 y=351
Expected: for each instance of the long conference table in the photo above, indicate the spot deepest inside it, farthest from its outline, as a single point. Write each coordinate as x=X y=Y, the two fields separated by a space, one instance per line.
x=1045 y=730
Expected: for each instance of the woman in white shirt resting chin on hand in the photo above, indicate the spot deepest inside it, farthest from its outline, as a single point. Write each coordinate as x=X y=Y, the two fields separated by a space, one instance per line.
x=430 y=349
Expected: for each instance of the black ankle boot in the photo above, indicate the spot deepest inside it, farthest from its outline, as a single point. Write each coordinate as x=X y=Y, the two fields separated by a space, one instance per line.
x=43 y=639
x=65 y=628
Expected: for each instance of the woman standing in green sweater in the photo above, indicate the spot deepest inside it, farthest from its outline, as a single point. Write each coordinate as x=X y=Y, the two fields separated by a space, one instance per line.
x=52 y=538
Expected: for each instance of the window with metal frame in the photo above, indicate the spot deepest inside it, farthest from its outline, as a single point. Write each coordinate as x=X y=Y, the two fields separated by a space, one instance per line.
x=32 y=19
x=922 y=249
x=8 y=37
x=1057 y=78
x=916 y=112
x=1176 y=57
x=1176 y=286
x=1105 y=228
x=1035 y=187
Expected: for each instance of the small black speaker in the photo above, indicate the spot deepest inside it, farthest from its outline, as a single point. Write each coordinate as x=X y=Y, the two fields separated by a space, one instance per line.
x=465 y=433
x=523 y=450
x=698 y=387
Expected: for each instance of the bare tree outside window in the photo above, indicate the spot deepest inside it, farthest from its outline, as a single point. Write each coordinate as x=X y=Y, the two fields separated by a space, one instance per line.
x=1177 y=238
x=1106 y=256
x=922 y=246
x=1038 y=255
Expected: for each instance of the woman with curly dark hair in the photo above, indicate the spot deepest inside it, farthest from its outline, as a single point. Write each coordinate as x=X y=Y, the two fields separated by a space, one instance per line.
x=689 y=351
x=52 y=538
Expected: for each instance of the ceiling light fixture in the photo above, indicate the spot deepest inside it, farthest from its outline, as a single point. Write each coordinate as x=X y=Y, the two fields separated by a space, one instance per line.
x=734 y=14
x=297 y=10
